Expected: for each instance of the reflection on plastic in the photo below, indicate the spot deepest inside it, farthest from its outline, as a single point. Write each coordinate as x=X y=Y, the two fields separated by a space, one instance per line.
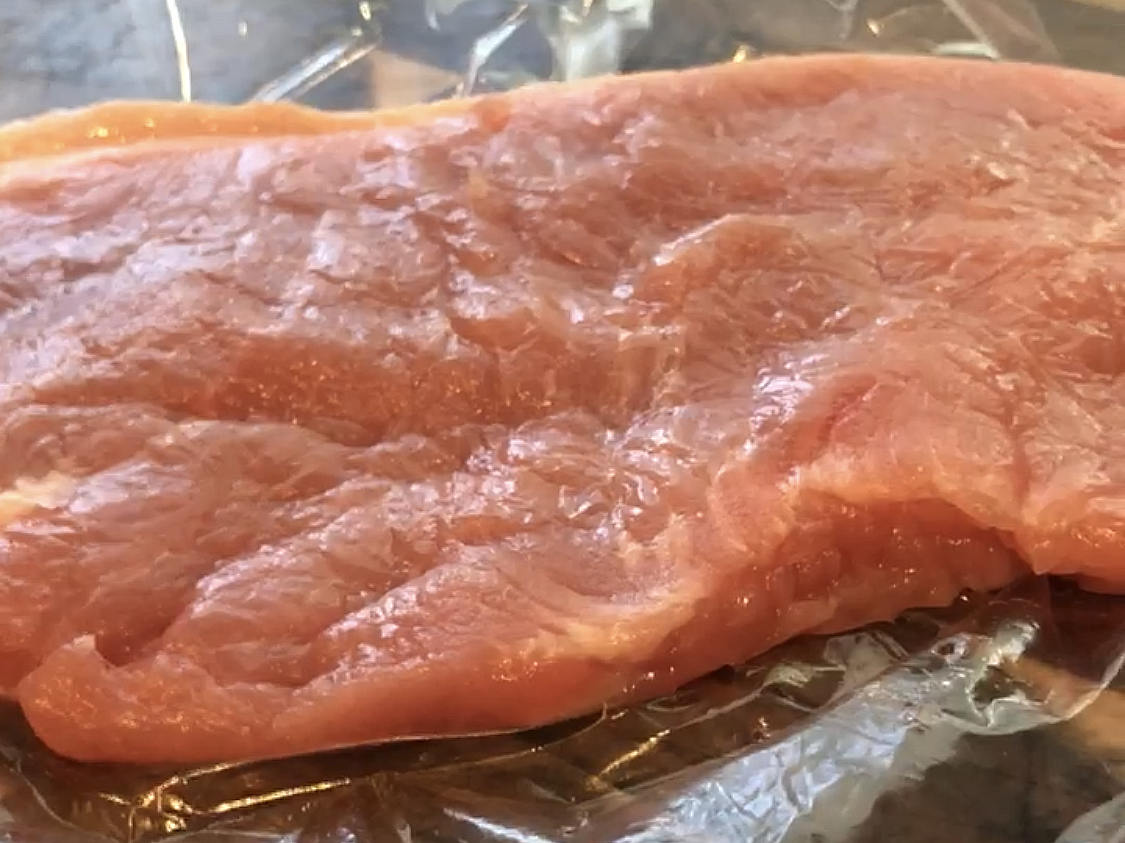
x=818 y=740
x=995 y=720
x=1105 y=823
x=594 y=37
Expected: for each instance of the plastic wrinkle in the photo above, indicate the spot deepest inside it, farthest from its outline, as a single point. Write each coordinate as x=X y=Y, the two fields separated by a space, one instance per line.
x=996 y=719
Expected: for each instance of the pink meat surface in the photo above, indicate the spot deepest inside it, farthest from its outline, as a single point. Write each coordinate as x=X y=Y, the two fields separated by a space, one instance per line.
x=485 y=415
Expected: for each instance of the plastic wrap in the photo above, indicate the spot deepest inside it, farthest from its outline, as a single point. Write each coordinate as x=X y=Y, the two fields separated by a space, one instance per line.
x=994 y=720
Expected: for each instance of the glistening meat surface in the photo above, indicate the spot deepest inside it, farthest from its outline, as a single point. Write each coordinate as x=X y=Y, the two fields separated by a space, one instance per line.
x=484 y=415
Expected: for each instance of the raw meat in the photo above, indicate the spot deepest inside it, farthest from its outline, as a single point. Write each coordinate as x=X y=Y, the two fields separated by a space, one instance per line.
x=482 y=415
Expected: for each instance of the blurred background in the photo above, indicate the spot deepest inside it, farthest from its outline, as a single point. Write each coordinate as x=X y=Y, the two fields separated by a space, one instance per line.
x=349 y=54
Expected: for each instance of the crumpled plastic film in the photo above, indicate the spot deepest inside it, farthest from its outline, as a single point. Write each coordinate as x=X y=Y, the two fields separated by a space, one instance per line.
x=998 y=720
x=593 y=37
x=996 y=705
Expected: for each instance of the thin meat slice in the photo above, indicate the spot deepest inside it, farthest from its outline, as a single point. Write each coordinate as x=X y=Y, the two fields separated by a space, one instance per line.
x=322 y=430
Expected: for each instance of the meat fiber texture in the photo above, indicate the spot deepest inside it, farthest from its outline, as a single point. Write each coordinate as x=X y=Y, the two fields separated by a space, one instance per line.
x=321 y=430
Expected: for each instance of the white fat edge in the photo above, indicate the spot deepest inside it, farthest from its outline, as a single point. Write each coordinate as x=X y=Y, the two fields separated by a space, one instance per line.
x=28 y=494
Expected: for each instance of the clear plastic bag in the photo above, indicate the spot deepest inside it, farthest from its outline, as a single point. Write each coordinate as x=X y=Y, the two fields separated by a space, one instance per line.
x=994 y=720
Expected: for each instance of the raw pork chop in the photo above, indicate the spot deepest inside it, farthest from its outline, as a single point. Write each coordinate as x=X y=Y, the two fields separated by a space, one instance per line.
x=487 y=414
